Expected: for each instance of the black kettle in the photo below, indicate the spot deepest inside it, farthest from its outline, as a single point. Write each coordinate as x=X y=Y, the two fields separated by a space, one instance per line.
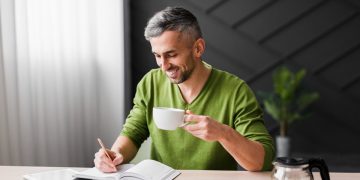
x=298 y=168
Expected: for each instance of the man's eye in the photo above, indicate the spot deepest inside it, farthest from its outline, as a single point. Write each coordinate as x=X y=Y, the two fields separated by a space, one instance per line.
x=171 y=55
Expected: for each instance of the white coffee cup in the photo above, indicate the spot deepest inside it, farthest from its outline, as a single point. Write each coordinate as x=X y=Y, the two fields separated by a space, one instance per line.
x=168 y=118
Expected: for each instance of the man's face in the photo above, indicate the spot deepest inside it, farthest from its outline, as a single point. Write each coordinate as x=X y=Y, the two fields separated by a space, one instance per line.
x=174 y=55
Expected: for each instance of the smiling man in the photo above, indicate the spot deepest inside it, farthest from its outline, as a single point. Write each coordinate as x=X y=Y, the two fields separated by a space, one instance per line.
x=227 y=127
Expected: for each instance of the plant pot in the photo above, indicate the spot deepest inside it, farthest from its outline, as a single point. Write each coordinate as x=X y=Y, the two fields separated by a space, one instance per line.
x=282 y=146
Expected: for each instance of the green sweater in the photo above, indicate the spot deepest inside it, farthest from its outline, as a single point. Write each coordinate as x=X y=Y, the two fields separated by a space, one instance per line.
x=224 y=97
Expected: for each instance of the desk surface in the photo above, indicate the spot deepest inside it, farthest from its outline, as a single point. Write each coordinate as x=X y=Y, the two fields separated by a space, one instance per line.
x=16 y=173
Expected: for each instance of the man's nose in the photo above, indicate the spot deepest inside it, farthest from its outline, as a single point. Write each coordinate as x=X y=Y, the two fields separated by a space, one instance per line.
x=164 y=64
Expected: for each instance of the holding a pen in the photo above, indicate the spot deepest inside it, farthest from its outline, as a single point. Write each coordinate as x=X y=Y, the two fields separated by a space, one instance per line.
x=109 y=158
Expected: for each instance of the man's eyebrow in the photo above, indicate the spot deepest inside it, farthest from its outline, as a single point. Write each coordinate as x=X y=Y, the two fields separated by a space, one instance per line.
x=166 y=52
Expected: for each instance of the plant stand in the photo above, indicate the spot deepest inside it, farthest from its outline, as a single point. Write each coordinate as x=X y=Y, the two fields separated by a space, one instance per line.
x=282 y=146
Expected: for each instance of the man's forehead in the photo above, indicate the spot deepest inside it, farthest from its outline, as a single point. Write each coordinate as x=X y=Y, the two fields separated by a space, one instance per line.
x=164 y=44
x=163 y=51
x=169 y=41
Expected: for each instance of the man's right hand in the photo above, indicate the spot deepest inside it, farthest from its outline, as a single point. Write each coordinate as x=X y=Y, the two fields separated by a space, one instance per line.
x=105 y=164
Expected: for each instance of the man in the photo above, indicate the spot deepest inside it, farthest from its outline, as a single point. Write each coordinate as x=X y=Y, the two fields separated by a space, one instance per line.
x=226 y=121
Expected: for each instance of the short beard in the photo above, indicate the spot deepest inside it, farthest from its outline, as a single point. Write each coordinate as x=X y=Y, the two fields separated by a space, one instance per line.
x=184 y=77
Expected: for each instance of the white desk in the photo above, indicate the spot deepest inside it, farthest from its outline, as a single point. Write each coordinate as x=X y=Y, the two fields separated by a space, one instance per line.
x=16 y=173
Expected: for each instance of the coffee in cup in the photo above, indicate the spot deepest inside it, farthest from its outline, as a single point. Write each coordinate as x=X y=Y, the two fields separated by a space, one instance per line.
x=168 y=118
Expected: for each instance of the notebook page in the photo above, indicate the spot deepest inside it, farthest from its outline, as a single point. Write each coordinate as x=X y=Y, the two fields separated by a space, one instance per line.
x=150 y=169
x=94 y=173
x=63 y=174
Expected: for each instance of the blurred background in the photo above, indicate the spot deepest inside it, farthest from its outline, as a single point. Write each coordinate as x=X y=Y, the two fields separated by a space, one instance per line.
x=69 y=69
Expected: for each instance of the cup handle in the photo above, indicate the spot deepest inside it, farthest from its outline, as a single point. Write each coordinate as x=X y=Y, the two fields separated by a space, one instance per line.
x=184 y=123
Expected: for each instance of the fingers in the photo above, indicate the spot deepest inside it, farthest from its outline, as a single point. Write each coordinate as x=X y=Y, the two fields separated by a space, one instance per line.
x=193 y=127
x=195 y=132
x=192 y=118
x=118 y=159
x=203 y=127
x=103 y=163
x=188 y=112
x=112 y=154
x=197 y=126
x=199 y=133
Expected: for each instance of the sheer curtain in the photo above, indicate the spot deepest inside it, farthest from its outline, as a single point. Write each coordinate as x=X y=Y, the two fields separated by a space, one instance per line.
x=61 y=80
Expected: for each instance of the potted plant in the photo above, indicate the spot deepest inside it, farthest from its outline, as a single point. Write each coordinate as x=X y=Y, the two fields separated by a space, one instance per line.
x=287 y=103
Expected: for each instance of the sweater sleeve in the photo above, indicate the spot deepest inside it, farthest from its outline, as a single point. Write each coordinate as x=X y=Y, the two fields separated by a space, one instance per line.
x=249 y=122
x=135 y=126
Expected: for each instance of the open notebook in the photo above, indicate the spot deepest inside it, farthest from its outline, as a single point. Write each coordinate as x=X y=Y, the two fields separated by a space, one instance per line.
x=144 y=170
x=62 y=174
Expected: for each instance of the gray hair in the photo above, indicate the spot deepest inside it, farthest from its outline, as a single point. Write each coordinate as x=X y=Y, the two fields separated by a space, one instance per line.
x=173 y=19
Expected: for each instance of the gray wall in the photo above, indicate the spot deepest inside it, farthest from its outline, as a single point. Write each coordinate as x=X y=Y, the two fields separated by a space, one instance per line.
x=250 y=38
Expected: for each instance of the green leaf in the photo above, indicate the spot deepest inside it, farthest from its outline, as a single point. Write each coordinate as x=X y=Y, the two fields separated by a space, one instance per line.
x=294 y=116
x=306 y=99
x=281 y=78
x=272 y=108
x=286 y=83
x=299 y=76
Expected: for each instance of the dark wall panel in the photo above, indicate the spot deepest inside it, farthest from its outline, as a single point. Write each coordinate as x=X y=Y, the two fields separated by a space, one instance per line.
x=207 y=5
x=310 y=26
x=234 y=11
x=250 y=38
x=354 y=90
x=235 y=45
x=272 y=19
x=336 y=73
x=219 y=59
x=329 y=49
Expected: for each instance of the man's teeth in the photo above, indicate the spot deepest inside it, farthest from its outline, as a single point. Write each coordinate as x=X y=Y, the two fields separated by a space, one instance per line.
x=172 y=72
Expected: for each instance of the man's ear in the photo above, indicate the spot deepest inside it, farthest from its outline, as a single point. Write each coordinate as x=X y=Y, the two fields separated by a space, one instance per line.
x=199 y=47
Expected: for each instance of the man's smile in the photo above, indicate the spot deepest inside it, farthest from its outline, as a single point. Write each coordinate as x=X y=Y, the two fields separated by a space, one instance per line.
x=172 y=73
